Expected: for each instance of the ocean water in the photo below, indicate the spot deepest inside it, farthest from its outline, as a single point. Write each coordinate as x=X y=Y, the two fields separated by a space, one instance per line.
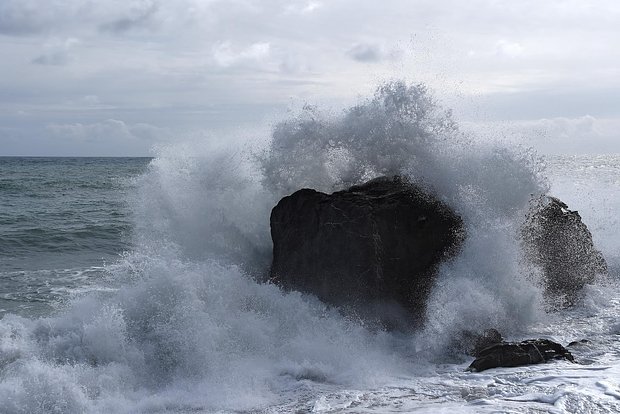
x=136 y=285
x=61 y=221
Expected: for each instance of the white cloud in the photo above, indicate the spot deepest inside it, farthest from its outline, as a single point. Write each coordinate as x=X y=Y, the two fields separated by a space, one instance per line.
x=311 y=6
x=226 y=55
x=90 y=100
x=560 y=135
x=508 y=49
x=303 y=7
x=561 y=128
x=585 y=134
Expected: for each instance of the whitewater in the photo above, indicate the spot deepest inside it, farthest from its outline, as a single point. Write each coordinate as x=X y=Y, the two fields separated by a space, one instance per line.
x=185 y=321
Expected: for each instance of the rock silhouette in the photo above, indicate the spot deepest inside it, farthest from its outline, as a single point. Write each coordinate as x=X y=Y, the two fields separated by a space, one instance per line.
x=372 y=249
x=511 y=354
x=558 y=241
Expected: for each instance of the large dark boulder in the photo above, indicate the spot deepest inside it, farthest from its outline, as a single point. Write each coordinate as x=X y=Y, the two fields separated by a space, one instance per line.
x=372 y=249
x=556 y=239
x=514 y=354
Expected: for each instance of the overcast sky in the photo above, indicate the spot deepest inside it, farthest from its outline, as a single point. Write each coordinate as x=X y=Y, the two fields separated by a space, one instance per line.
x=117 y=77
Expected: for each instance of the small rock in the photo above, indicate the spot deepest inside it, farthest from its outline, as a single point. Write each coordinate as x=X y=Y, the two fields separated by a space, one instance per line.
x=514 y=354
x=578 y=343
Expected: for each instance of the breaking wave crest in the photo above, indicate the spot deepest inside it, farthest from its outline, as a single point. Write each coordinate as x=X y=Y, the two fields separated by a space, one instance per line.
x=190 y=326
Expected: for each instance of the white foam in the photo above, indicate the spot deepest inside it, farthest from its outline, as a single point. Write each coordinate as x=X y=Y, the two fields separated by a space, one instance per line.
x=184 y=326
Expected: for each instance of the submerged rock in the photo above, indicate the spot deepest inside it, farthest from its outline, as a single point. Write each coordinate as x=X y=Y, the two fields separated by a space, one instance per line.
x=511 y=354
x=372 y=249
x=580 y=342
x=558 y=241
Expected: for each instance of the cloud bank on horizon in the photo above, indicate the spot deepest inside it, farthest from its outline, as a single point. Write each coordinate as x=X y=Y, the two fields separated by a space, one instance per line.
x=116 y=77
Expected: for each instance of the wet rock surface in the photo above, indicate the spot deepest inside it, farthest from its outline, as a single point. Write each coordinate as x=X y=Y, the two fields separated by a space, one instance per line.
x=372 y=249
x=556 y=239
x=471 y=343
x=514 y=354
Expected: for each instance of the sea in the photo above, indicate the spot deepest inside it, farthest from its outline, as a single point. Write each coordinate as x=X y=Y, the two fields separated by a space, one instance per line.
x=137 y=285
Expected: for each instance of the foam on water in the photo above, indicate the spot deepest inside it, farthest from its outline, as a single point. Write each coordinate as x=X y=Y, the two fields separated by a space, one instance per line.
x=187 y=326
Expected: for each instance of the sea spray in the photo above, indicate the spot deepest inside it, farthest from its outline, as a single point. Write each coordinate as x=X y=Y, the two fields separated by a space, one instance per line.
x=402 y=130
x=191 y=326
x=222 y=193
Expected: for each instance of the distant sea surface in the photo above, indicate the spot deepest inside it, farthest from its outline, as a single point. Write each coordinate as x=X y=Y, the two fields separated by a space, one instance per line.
x=61 y=221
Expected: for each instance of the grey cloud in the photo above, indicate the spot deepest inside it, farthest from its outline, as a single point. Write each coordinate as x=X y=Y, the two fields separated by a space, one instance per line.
x=24 y=17
x=111 y=137
x=31 y=17
x=366 y=53
x=108 y=130
x=54 y=59
x=58 y=53
x=140 y=17
x=559 y=101
x=231 y=55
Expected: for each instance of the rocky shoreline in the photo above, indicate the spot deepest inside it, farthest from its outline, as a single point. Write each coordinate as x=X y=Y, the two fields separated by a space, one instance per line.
x=373 y=250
